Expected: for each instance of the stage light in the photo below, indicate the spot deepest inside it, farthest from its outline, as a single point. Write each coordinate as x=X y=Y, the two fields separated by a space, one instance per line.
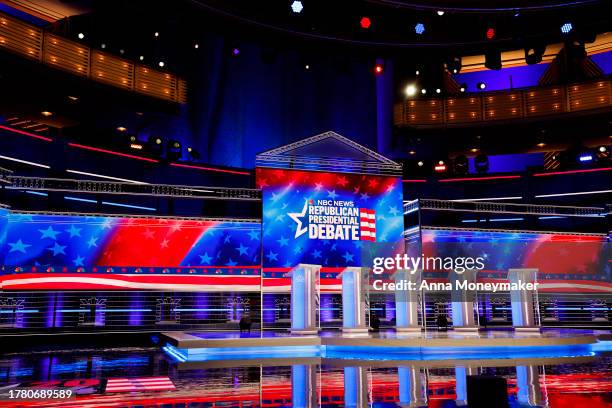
x=585 y=157
x=411 y=90
x=481 y=85
x=81 y=36
x=236 y=52
x=121 y=129
x=173 y=150
x=297 y=6
x=419 y=28
x=193 y=154
x=566 y=28
x=534 y=54
x=141 y=58
x=378 y=69
x=481 y=163
x=420 y=163
x=412 y=152
x=136 y=146
x=474 y=150
x=196 y=46
x=603 y=153
x=493 y=59
x=454 y=65
x=440 y=168
x=156 y=34
x=417 y=72
x=161 y=64
x=461 y=165
x=440 y=12
x=438 y=90
x=462 y=89
x=541 y=144
x=154 y=145
x=490 y=33
x=103 y=46
x=423 y=91
x=46 y=113
x=365 y=22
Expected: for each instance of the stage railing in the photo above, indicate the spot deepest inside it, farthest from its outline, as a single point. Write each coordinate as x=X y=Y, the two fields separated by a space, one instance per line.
x=36 y=44
x=504 y=105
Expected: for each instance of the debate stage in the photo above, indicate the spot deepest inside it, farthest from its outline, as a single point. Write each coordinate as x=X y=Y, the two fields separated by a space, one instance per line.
x=187 y=347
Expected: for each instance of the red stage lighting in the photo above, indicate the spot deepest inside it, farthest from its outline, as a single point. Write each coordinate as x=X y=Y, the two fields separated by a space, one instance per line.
x=490 y=33
x=365 y=22
x=378 y=69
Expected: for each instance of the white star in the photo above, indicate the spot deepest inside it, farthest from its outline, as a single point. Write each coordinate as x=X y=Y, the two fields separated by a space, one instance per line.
x=48 y=233
x=296 y=217
x=74 y=231
x=78 y=261
x=332 y=194
x=57 y=249
x=19 y=246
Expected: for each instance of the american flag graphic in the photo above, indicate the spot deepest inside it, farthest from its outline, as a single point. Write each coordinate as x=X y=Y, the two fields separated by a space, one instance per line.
x=139 y=384
x=367 y=221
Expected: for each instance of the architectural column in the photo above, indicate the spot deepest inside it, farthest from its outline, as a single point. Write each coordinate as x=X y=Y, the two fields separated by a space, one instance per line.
x=356 y=387
x=523 y=318
x=407 y=302
x=304 y=386
x=529 y=390
x=463 y=301
x=354 y=303
x=412 y=391
x=304 y=298
x=461 y=374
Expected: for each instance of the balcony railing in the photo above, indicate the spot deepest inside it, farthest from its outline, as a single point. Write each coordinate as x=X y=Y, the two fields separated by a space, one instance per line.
x=58 y=52
x=504 y=105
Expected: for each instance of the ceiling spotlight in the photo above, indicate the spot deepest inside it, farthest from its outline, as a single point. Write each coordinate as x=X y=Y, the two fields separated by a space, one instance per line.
x=121 y=51
x=418 y=72
x=412 y=152
x=365 y=22
x=541 y=144
x=440 y=12
x=419 y=28
x=103 y=46
x=423 y=91
x=121 y=128
x=236 y=52
x=566 y=28
x=161 y=64
x=481 y=85
x=490 y=33
x=474 y=150
x=81 y=36
x=378 y=69
x=603 y=153
x=141 y=58
x=411 y=90
x=46 y=113
x=462 y=89
x=603 y=149
x=438 y=90
x=73 y=98
x=306 y=66
x=297 y=6
x=420 y=163
x=156 y=34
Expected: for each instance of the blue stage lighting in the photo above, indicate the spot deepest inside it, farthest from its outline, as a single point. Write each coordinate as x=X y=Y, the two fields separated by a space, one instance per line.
x=419 y=28
x=586 y=157
x=566 y=28
x=297 y=6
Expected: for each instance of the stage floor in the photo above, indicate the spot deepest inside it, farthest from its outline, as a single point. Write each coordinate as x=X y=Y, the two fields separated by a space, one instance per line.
x=199 y=346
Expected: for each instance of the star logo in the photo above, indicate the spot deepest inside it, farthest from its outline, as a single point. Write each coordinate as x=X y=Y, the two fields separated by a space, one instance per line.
x=299 y=231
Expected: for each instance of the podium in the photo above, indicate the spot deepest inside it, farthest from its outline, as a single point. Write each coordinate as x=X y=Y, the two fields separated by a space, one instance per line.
x=407 y=303
x=463 y=302
x=354 y=300
x=522 y=300
x=304 y=298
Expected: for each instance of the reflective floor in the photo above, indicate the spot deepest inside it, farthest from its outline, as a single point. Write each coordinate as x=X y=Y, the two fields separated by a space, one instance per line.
x=147 y=377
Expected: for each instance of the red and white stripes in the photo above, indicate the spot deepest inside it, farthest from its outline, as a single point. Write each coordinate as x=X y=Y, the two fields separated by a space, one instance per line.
x=367 y=220
x=139 y=384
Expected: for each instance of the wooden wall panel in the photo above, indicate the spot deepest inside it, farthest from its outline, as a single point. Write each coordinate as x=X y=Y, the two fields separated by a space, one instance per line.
x=21 y=38
x=112 y=70
x=66 y=55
